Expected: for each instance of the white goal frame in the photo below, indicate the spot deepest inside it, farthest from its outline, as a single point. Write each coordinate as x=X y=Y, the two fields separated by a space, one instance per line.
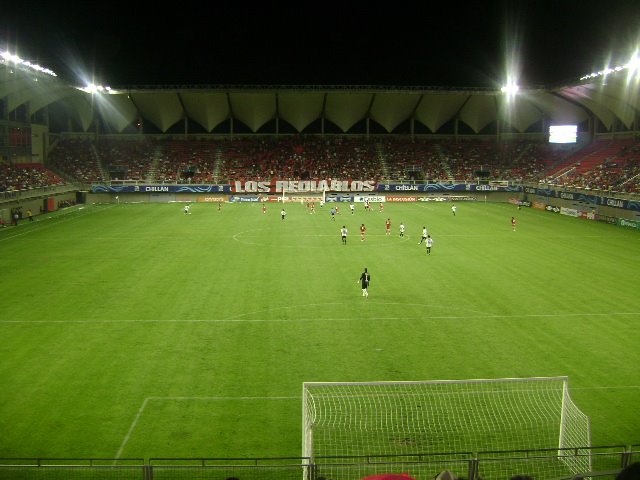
x=413 y=417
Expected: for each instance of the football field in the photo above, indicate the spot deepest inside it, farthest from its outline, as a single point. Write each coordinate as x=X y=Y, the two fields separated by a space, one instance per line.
x=136 y=330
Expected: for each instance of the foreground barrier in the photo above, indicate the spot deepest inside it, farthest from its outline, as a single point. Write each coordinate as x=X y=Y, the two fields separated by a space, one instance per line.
x=605 y=462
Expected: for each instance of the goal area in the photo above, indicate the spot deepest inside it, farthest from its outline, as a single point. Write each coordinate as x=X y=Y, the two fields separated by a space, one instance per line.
x=406 y=418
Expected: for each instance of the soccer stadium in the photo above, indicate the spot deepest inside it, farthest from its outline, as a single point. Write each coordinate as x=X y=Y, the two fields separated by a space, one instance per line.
x=320 y=282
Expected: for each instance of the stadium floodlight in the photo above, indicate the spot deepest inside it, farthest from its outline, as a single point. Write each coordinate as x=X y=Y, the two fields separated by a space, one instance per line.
x=510 y=89
x=428 y=417
x=631 y=66
x=15 y=59
x=91 y=88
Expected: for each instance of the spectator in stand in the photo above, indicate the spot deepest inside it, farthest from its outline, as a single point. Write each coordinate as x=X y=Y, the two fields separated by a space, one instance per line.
x=630 y=472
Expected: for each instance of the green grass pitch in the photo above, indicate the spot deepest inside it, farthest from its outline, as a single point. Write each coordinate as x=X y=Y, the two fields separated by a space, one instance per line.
x=135 y=330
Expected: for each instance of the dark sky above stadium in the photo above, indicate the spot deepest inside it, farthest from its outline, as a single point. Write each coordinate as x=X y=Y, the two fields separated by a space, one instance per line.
x=455 y=44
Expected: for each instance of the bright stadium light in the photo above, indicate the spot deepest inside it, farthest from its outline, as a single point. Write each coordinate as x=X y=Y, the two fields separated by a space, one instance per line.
x=631 y=66
x=634 y=63
x=15 y=59
x=92 y=88
x=510 y=89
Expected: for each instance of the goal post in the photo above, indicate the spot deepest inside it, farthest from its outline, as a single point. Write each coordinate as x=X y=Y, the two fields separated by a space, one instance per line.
x=403 y=418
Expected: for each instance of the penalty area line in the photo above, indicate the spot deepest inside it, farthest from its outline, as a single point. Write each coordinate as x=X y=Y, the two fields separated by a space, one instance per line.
x=210 y=399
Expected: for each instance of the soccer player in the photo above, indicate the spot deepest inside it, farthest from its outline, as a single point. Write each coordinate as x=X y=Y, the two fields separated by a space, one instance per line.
x=186 y=209
x=343 y=234
x=264 y=208
x=381 y=207
x=352 y=207
x=365 y=279
x=283 y=214
x=453 y=210
x=363 y=232
x=429 y=244
x=388 y=225
x=514 y=222
x=333 y=213
x=402 y=229
x=424 y=235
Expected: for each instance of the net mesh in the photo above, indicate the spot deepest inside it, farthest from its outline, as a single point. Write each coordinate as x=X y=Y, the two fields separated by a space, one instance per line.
x=396 y=418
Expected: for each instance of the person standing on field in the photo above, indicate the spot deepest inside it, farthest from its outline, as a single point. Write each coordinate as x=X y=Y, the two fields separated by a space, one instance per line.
x=424 y=236
x=363 y=232
x=365 y=279
x=343 y=234
x=429 y=244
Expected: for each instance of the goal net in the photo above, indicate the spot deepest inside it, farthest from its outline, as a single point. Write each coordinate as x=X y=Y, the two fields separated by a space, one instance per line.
x=403 y=418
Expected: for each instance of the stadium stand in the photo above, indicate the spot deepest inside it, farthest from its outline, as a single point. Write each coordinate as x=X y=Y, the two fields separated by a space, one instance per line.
x=603 y=165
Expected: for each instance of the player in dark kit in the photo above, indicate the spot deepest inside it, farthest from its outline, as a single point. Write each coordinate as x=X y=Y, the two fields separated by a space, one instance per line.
x=365 y=279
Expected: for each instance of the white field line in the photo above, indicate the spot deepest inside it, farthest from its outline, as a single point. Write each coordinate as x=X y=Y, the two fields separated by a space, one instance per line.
x=210 y=399
x=65 y=217
x=331 y=319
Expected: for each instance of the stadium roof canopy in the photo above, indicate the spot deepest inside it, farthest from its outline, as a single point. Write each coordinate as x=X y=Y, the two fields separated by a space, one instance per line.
x=610 y=101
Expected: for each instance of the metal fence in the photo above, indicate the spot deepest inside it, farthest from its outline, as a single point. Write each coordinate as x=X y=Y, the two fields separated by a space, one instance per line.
x=546 y=464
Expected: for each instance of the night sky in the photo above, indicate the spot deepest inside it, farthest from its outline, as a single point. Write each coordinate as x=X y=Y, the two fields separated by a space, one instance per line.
x=456 y=44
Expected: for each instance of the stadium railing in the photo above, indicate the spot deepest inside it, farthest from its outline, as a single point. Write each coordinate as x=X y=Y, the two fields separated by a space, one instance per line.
x=541 y=464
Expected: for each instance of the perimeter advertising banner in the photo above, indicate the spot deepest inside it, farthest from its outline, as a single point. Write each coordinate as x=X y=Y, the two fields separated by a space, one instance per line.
x=621 y=203
x=403 y=198
x=212 y=198
x=445 y=187
x=302 y=186
x=160 y=189
x=629 y=223
x=586 y=198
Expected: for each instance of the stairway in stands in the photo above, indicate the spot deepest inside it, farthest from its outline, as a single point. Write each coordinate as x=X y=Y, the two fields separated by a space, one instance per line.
x=96 y=157
x=445 y=165
x=382 y=158
x=153 y=169
x=217 y=164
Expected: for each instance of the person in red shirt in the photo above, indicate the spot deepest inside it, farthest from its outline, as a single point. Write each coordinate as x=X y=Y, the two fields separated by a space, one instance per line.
x=513 y=223
x=388 y=226
x=363 y=231
x=264 y=208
